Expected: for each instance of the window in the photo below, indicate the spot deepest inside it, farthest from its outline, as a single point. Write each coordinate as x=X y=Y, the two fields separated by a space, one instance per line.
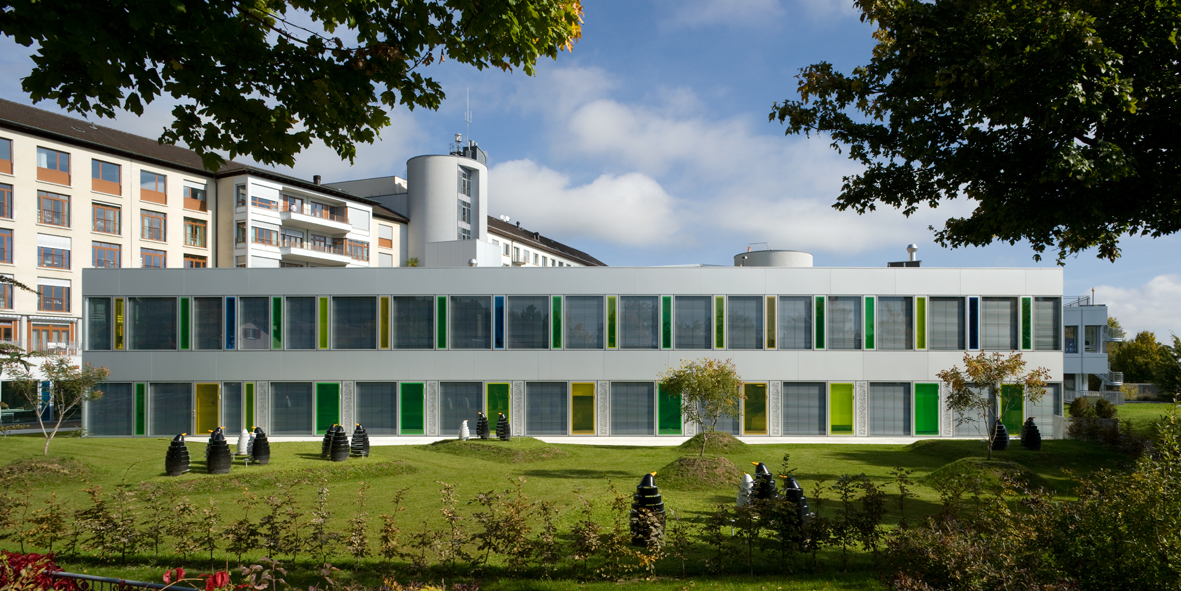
x=1092 y=335
x=471 y=322
x=534 y=258
x=946 y=324
x=152 y=187
x=193 y=261
x=54 y=209
x=5 y=156
x=547 y=408
x=53 y=166
x=804 y=408
x=465 y=182
x=194 y=232
x=266 y=236
x=745 y=322
x=171 y=408
x=895 y=323
x=111 y=414
x=194 y=198
x=506 y=245
x=240 y=195
x=152 y=259
x=465 y=234
x=6 y=294
x=5 y=246
x=263 y=203
x=207 y=323
x=378 y=403
x=639 y=322
x=240 y=261
x=1047 y=318
x=385 y=236
x=98 y=324
x=1072 y=339
x=107 y=219
x=525 y=259
x=584 y=322
x=254 y=323
x=53 y=258
x=354 y=323
x=53 y=295
x=5 y=201
x=152 y=226
x=105 y=177
x=544 y=261
x=385 y=259
x=8 y=331
x=693 y=322
x=414 y=322
x=358 y=250
x=459 y=401
x=844 y=322
x=240 y=233
x=633 y=408
x=516 y=253
x=301 y=323
x=795 y=322
x=528 y=322
x=889 y=408
x=291 y=408
x=998 y=319
x=465 y=212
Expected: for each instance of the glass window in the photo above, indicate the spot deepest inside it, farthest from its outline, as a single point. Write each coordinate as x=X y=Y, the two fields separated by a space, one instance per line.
x=528 y=322
x=1047 y=318
x=152 y=226
x=240 y=195
x=170 y=409
x=5 y=200
x=195 y=232
x=5 y=246
x=1092 y=335
x=6 y=149
x=354 y=323
x=1072 y=339
x=1044 y=411
x=152 y=323
x=207 y=323
x=5 y=300
x=291 y=408
x=301 y=323
x=194 y=198
x=640 y=322
x=471 y=322
x=946 y=324
x=998 y=319
x=53 y=258
x=111 y=414
x=264 y=203
x=633 y=408
x=804 y=408
x=193 y=261
x=54 y=209
x=795 y=322
x=152 y=259
x=104 y=171
x=98 y=324
x=584 y=322
x=254 y=323
x=150 y=181
x=266 y=236
x=414 y=322
x=889 y=408
x=465 y=211
x=745 y=322
x=53 y=160
x=547 y=408
x=53 y=298
x=377 y=407
x=106 y=219
x=694 y=322
x=231 y=396
x=460 y=401
x=844 y=322
x=895 y=323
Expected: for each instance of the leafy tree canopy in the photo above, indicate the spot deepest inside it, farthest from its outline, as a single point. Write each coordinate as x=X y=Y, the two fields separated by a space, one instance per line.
x=1168 y=372
x=975 y=391
x=709 y=388
x=1137 y=358
x=264 y=78
x=1058 y=118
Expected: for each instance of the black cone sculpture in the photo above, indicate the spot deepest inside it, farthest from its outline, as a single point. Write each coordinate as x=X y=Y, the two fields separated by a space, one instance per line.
x=339 y=450
x=218 y=456
x=326 y=445
x=176 y=461
x=482 y=426
x=647 y=514
x=765 y=488
x=502 y=429
x=360 y=442
x=1031 y=437
x=1000 y=439
x=794 y=493
x=261 y=451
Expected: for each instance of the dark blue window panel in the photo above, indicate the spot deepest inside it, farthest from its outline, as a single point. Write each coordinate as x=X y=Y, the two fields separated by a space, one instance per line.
x=499 y=322
x=231 y=322
x=973 y=323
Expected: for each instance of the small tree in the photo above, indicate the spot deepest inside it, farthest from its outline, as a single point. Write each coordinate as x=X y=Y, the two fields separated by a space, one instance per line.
x=975 y=390
x=709 y=388
x=69 y=386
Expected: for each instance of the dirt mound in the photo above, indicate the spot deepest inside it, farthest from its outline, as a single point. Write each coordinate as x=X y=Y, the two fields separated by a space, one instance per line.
x=519 y=450
x=699 y=473
x=46 y=470
x=719 y=442
x=991 y=475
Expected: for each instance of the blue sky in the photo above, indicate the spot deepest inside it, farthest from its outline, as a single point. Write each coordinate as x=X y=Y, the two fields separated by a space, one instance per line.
x=649 y=145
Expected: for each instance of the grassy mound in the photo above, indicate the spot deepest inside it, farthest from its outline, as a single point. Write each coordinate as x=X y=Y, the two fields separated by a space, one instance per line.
x=991 y=474
x=719 y=442
x=699 y=473
x=43 y=470
x=519 y=450
x=197 y=480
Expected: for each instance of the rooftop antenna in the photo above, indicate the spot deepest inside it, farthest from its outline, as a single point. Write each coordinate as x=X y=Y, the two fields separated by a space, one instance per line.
x=467 y=115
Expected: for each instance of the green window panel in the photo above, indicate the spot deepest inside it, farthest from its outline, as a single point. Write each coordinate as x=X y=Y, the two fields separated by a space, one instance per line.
x=926 y=409
x=141 y=408
x=920 y=320
x=666 y=322
x=327 y=407
x=840 y=409
x=668 y=413
x=1026 y=324
x=819 y=322
x=323 y=323
x=184 y=324
x=498 y=402
x=556 y=322
x=772 y=326
x=119 y=323
x=611 y=330
x=1014 y=407
x=441 y=322
x=720 y=322
x=250 y=405
x=277 y=323
x=385 y=323
x=754 y=409
x=870 y=309
x=582 y=409
x=411 y=411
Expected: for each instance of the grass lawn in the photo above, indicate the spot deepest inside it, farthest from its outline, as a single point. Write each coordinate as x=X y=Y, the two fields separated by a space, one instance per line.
x=1142 y=412
x=556 y=473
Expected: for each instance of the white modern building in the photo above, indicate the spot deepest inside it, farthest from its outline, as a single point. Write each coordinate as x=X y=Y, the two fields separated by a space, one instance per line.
x=1086 y=367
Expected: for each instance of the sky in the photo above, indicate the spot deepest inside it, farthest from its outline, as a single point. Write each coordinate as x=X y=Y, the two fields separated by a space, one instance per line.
x=649 y=144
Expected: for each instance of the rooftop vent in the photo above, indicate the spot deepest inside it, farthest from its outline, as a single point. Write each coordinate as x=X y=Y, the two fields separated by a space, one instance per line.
x=912 y=260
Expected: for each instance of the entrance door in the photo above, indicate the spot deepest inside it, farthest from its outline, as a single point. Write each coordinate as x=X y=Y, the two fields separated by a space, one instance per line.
x=498 y=402
x=327 y=407
x=208 y=408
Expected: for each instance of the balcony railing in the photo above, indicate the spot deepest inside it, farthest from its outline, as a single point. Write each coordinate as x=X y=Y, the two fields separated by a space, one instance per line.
x=322 y=212
x=54 y=348
x=1076 y=301
x=1115 y=378
x=295 y=242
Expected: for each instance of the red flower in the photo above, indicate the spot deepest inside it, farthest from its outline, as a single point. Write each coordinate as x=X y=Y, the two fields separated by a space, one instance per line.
x=217 y=580
x=180 y=574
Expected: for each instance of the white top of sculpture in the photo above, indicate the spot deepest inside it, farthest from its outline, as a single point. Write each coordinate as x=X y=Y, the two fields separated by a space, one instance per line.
x=745 y=488
x=463 y=432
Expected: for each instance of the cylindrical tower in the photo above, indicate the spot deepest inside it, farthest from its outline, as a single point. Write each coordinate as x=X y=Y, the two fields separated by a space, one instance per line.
x=446 y=199
x=773 y=258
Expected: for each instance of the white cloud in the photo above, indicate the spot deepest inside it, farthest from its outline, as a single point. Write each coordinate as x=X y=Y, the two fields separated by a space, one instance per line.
x=629 y=209
x=694 y=14
x=1152 y=306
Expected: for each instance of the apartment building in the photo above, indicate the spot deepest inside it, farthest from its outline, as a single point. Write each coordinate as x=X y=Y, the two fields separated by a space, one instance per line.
x=1088 y=372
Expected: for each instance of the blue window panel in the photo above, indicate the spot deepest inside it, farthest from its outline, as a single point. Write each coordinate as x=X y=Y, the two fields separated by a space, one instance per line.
x=231 y=322
x=973 y=323
x=499 y=312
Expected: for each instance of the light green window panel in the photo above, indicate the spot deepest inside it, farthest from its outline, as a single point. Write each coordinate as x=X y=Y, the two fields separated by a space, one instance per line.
x=666 y=322
x=926 y=409
x=498 y=402
x=920 y=320
x=411 y=412
x=754 y=409
x=720 y=322
x=327 y=407
x=611 y=326
x=1014 y=408
x=840 y=409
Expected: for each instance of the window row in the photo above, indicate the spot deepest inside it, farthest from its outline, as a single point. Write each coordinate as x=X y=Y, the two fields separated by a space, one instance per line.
x=518 y=257
x=588 y=322
x=54 y=210
x=53 y=252
x=292 y=204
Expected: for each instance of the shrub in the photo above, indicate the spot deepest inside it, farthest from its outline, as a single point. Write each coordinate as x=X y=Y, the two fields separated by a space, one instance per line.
x=1081 y=408
x=1105 y=409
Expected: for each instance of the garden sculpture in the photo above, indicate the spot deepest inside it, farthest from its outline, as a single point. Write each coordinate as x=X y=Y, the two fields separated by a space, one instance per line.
x=765 y=488
x=482 y=426
x=326 y=444
x=218 y=457
x=339 y=448
x=794 y=493
x=244 y=442
x=360 y=442
x=260 y=449
x=1031 y=437
x=463 y=432
x=745 y=489
x=647 y=514
x=1000 y=439
x=502 y=428
x=176 y=461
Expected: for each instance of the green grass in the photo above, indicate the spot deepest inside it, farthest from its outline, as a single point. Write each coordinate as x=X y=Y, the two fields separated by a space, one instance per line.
x=1142 y=413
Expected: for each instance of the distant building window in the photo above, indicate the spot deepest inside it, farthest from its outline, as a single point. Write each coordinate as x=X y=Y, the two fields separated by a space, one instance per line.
x=106 y=177
x=385 y=259
x=5 y=156
x=53 y=166
x=1072 y=339
x=240 y=233
x=465 y=234
x=54 y=209
x=266 y=236
x=465 y=211
x=240 y=261
x=153 y=259
x=106 y=255
x=534 y=258
x=53 y=298
x=106 y=219
x=1092 y=335
x=544 y=261
x=516 y=254
x=5 y=201
x=194 y=198
x=152 y=226
x=506 y=245
x=262 y=203
x=195 y=232
x=153 y=187
x=53 y=258
x=358 y=250
x=6 y=301
x=240 y=195
x=6 y=246
x=193 y=261
x=465 y=182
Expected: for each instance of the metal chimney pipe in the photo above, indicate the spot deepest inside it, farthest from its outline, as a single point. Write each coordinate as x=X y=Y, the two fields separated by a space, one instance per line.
x=912 y=249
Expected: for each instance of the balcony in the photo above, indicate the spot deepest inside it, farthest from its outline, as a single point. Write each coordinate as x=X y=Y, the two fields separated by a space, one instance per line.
x=319 y=253
x=54 y=347
x=1115 y=378
x=316 y=217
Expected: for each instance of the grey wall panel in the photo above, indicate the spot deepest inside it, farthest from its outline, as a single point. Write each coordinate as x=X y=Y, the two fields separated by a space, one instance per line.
x=863 y=281
x=933 y=281
x=668 y=281
x=819 y=366
x=892 y=365
x=992 y=282
x=796 y=281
